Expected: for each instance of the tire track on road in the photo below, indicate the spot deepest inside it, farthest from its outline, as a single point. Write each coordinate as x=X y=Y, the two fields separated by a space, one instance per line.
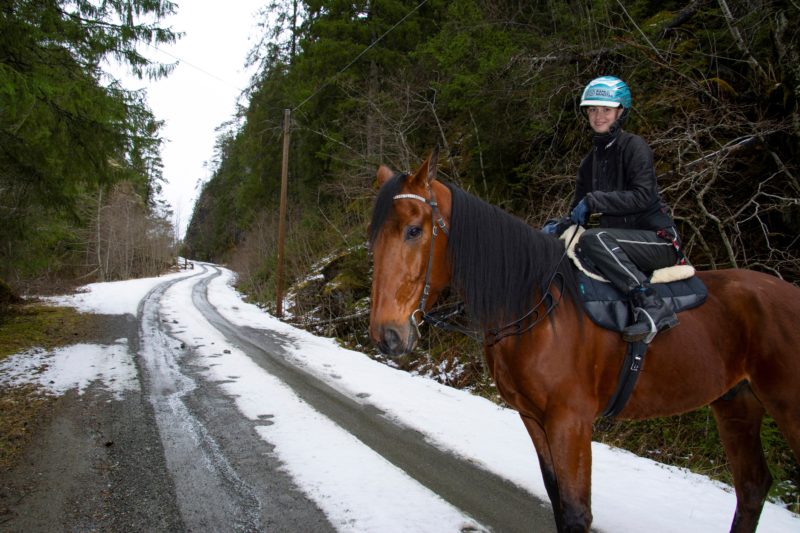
x=226 y=477
x=199 y=469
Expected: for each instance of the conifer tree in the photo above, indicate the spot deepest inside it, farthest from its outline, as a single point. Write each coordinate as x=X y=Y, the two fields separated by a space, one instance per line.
x=66 y=127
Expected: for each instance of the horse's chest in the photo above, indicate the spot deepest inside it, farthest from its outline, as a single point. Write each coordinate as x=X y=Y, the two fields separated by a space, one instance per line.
x=519 y=386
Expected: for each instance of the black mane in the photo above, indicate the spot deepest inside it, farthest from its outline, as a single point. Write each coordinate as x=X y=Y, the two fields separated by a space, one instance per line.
x=501 y=265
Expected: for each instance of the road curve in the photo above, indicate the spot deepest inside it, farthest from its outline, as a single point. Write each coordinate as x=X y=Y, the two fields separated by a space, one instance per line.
x=225 y=476
x=241 y=483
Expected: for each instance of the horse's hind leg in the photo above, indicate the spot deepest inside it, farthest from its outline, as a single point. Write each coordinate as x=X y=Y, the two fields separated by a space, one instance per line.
x=738 y=415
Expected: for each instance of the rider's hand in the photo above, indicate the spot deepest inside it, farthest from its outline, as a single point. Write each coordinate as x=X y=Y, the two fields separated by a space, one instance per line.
x=551 y=227
x=580 y=213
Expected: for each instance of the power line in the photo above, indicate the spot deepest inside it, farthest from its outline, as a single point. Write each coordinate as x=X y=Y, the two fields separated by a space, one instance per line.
x=326 y=83
x=207 y=73
x=364 y=51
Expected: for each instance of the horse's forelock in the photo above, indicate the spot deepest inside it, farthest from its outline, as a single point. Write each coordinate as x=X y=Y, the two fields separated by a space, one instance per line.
x=383 y=204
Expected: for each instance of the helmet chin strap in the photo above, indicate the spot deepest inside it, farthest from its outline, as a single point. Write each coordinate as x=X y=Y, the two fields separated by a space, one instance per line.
x=617 y=125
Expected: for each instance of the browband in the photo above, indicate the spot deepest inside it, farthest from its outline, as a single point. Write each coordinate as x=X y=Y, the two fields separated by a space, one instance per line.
x=411 y=197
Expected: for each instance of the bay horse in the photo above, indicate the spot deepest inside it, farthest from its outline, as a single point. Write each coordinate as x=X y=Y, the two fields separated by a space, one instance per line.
x=737 y=352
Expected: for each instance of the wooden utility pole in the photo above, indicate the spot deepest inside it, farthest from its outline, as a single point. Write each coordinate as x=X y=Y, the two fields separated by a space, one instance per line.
x=282 y=214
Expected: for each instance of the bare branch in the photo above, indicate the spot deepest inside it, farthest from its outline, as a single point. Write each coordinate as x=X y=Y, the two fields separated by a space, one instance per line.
x=740 y=42
x=683 y=15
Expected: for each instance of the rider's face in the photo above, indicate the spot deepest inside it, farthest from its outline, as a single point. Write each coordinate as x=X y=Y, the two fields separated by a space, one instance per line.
x=601 y=118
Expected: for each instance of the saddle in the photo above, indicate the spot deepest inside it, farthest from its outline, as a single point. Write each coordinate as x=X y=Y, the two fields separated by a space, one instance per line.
x=608 y=307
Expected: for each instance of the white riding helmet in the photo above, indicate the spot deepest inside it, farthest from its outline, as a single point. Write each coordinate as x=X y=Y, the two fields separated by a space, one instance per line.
x=607 y=91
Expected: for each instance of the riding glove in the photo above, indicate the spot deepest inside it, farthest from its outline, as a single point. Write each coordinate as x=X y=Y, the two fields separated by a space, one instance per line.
x=551 y=227
x=580 y=213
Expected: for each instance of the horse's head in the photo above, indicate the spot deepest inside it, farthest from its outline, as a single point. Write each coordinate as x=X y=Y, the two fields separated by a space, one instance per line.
x=409 y=244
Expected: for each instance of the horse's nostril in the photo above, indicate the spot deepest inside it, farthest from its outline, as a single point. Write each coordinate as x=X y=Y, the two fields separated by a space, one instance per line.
x=392 y=339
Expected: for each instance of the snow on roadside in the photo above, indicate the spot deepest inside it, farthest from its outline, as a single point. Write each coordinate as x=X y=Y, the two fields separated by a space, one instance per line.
x=114 y=297
x=77 y=366
x=74 y=367
x=629 y=493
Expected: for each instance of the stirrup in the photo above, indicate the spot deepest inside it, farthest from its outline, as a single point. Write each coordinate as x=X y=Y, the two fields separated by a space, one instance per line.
x=649 y=336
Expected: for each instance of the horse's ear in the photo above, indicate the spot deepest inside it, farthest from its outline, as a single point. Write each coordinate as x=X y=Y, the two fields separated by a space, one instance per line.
x=426 y=173
x=433 y=164
x=384 y=173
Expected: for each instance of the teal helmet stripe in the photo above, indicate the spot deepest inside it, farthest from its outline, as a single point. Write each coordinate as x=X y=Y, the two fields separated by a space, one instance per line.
x=607 y=91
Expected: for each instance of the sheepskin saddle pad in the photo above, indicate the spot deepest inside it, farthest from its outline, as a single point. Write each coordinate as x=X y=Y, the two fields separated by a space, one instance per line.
x=608 y=307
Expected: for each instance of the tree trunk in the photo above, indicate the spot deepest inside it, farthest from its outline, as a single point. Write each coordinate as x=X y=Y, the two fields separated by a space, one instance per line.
x=789 y=59
x=99 y=236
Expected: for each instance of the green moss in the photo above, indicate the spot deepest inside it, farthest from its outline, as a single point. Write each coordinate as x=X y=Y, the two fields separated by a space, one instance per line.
x=26 y=326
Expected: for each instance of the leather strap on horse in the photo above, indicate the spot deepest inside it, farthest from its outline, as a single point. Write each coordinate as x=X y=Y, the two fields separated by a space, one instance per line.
x=440 y=318
x=634 y=360
x=437 y=221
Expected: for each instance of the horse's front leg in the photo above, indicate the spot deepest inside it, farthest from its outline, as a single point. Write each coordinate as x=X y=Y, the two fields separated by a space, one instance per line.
x=545 y=464
x=564 y=445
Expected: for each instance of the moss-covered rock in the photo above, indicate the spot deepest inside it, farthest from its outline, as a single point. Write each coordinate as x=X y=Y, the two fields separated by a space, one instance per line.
x=340 y=286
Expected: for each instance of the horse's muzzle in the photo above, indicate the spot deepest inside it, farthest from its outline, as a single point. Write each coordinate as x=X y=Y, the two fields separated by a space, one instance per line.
x=395 y=340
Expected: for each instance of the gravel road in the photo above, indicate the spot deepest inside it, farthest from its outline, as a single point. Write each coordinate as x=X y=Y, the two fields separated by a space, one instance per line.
x=177 y=455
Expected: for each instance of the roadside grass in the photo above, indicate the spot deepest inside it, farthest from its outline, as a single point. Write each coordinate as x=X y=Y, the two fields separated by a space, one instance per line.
x=31 y=325
x=23 y=409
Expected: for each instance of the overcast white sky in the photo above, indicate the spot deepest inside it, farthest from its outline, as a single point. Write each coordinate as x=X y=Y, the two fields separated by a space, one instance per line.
x=202 y=91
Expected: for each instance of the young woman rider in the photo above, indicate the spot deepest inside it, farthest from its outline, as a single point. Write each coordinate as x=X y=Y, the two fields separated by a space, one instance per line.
x=637 y=234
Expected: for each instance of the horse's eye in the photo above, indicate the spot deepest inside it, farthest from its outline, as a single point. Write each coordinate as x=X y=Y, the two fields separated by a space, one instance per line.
x=412 y=232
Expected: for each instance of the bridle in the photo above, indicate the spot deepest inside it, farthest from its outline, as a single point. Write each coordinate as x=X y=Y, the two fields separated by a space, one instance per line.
x=493 y=335
x=437 y=222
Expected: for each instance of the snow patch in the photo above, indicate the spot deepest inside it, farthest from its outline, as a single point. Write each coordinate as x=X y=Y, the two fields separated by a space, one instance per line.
x=74 y=367
x=114 y=297
x=629 y=493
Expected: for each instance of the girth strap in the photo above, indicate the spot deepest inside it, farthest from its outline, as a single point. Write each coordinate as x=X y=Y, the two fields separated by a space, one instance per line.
x=628 y=374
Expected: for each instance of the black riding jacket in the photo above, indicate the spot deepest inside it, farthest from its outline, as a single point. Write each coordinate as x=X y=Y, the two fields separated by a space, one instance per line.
x=618 y=180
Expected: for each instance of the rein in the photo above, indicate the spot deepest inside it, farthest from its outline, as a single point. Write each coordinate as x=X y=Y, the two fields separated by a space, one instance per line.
x=440 y=320
x=515 y=327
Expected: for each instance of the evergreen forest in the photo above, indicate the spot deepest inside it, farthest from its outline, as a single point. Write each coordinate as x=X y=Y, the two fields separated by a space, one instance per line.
x=80 y=164
x=496 y=84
